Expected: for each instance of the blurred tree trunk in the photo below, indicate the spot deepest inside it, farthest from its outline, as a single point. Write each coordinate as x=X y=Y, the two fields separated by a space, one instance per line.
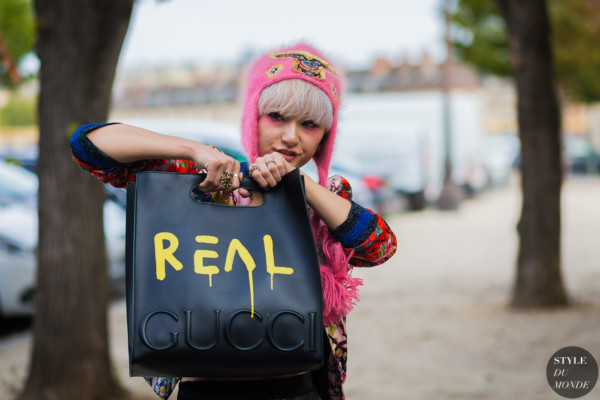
x=538 y=282
x=79 y=42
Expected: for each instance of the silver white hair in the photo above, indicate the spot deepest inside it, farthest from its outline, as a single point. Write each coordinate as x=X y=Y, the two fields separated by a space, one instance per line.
x=295 y=98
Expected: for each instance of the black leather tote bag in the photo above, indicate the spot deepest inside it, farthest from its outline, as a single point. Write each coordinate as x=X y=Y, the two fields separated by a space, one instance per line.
x=220 y=291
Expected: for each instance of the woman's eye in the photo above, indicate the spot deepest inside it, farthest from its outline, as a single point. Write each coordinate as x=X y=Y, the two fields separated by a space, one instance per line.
x=275 y=116
x=310 y=124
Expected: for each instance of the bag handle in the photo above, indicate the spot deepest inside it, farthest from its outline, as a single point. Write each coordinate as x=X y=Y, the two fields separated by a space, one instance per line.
x=248 y=183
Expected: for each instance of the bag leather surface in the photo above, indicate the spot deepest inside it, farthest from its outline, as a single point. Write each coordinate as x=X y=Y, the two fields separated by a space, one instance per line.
x=220 y=291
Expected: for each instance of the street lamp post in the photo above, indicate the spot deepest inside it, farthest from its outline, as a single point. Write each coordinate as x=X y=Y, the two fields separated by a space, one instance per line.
x=451 y=194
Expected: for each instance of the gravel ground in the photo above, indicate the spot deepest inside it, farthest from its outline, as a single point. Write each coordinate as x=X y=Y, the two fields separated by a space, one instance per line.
x=433 y=322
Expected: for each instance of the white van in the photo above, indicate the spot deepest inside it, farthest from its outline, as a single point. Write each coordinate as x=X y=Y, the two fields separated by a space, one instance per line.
x=393 y=151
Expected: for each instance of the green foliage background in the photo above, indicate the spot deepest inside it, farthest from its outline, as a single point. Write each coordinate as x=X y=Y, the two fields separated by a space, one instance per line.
x=19 y=111
x=17 y=29
x=480 y=38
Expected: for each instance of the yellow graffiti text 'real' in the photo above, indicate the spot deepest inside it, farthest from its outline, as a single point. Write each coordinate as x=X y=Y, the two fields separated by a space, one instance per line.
x=270 y=258
x=166 y=243
x=164 y=255
x=200 y=255
x=237 y=247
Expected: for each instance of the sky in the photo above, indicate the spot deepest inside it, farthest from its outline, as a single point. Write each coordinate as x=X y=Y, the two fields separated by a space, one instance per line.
x=217 y=32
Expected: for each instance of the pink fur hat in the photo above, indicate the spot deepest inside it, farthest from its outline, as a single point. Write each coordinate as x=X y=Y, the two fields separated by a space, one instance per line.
x=303 y=62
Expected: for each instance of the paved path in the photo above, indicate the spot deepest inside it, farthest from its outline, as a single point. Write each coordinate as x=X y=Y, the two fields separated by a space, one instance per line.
x=433 y=322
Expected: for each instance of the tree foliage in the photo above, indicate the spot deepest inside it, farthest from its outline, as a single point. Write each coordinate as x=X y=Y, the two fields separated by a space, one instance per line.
x=17 y=35
x=576 y=29
x=480 y=38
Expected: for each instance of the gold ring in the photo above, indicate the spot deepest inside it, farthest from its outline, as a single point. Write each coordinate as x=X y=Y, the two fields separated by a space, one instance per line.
x=226 y=179
x=252 y=168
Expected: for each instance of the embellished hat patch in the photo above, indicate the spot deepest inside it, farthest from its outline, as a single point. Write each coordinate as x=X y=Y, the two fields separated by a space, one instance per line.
x=274 y=70
x=307 y=63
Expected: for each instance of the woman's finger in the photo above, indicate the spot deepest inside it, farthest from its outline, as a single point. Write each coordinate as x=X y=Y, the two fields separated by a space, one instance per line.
x=213 y=176
x=257 y=174
x=235 y=181
x=282 y=165
x=266 y=172
x=273 y=168
x=245 y=193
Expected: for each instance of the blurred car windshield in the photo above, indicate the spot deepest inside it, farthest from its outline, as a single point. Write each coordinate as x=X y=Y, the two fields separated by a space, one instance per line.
x=16 y=184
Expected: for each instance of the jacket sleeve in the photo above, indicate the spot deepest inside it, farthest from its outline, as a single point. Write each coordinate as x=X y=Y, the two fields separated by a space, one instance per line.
x=364 y=232
x=94 y=161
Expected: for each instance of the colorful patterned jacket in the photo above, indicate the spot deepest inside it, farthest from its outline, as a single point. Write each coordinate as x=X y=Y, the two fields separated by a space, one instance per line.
x=364 y=233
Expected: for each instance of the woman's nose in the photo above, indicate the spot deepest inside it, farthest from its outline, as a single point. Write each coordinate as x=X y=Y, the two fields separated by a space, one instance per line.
x=290 y=132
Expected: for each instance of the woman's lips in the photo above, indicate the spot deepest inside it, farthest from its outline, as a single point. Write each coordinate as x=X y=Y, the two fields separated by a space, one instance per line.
x=287 y=155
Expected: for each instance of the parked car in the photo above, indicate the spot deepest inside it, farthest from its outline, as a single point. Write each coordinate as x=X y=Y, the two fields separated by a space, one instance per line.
x=17 y=185
x=18 y=231
x=580 y=156
x=21 y=155
x=360 y=192
x=370 y=190
x=18 y=240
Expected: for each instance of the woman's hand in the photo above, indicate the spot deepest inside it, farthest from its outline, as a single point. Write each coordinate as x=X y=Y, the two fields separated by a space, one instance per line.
x=269 y=170
x=222 y=171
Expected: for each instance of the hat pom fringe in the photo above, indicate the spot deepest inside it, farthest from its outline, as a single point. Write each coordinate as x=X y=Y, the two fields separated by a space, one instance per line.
x=340 y=290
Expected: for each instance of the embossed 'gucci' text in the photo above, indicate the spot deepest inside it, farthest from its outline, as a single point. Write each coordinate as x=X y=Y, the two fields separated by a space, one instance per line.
x=266 y=328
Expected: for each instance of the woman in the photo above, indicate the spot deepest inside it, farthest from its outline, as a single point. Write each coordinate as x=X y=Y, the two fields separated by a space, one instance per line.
x=289 y=117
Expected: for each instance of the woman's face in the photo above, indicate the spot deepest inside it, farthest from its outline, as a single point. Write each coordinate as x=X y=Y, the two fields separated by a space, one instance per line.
x=296 y=140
